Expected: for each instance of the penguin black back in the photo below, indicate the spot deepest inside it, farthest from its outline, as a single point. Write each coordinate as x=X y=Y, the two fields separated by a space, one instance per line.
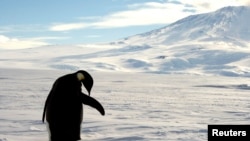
x=63 y=107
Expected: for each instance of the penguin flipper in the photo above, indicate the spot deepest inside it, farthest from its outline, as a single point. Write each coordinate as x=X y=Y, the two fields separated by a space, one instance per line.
x=87 y=100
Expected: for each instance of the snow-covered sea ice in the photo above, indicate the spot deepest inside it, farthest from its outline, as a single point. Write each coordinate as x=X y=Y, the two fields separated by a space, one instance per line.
x=139 y=106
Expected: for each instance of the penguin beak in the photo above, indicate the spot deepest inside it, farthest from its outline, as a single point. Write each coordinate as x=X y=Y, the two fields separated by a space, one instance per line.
x=88 y=85
x=86 y=80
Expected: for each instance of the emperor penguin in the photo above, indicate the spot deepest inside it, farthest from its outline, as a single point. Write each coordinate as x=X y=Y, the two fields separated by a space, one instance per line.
x=63 y=107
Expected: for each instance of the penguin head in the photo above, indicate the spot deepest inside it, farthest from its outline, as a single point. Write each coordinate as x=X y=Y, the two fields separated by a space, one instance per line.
x=86 y=79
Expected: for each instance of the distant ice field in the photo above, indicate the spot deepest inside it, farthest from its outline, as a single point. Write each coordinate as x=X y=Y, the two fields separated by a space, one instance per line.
x=139 y=106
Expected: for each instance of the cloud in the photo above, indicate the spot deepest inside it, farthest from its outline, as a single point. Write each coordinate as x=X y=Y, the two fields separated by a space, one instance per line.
x=149 y=13
x=24 y=28
x=14 y=43
x=143 y=14
x=137 y=15
x=212 y=5
x=93 y=36
x=4 y=39
x=66 y=27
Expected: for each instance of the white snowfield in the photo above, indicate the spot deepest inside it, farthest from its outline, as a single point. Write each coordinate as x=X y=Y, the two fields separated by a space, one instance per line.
x=167 y=84
x=139 y=106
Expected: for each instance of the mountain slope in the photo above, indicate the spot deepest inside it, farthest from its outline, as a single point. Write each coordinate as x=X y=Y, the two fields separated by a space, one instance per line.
x=227 y=24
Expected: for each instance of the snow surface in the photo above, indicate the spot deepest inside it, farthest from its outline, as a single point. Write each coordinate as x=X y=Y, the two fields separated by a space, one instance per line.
x=139 y=106
x=193 y=58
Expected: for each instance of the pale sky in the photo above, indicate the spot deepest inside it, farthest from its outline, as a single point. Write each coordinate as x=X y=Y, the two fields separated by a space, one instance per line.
x=33 y=23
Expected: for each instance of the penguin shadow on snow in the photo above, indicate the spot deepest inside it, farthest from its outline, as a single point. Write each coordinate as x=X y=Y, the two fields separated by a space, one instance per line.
x=63 y=108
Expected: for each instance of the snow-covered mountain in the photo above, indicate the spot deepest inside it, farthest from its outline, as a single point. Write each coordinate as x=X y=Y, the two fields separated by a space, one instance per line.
x=226 y=24
x=210 y=43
